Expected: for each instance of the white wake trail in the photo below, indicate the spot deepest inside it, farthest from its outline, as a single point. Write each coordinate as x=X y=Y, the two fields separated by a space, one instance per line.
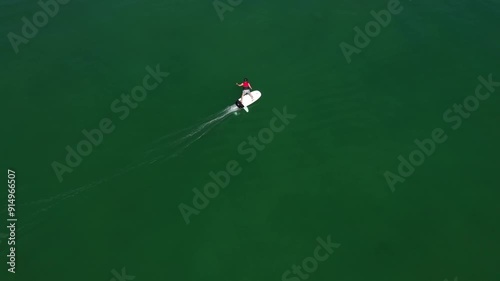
x=191 y=134
x=201 y=127
x=175 y=144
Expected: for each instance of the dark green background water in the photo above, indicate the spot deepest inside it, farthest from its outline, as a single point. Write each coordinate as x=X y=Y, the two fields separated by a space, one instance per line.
x=323 y=175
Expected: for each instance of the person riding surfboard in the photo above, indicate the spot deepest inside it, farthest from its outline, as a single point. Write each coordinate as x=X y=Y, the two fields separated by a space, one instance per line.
x=246 y=87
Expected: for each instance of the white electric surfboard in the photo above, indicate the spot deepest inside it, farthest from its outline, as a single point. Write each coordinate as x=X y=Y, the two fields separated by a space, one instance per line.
x=248 y=99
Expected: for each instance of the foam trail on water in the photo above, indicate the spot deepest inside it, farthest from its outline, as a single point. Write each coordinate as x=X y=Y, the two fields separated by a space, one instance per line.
x=207 y=119
x=191 y=128
x=201 y=127
x=203 y=131
x=192 y=134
